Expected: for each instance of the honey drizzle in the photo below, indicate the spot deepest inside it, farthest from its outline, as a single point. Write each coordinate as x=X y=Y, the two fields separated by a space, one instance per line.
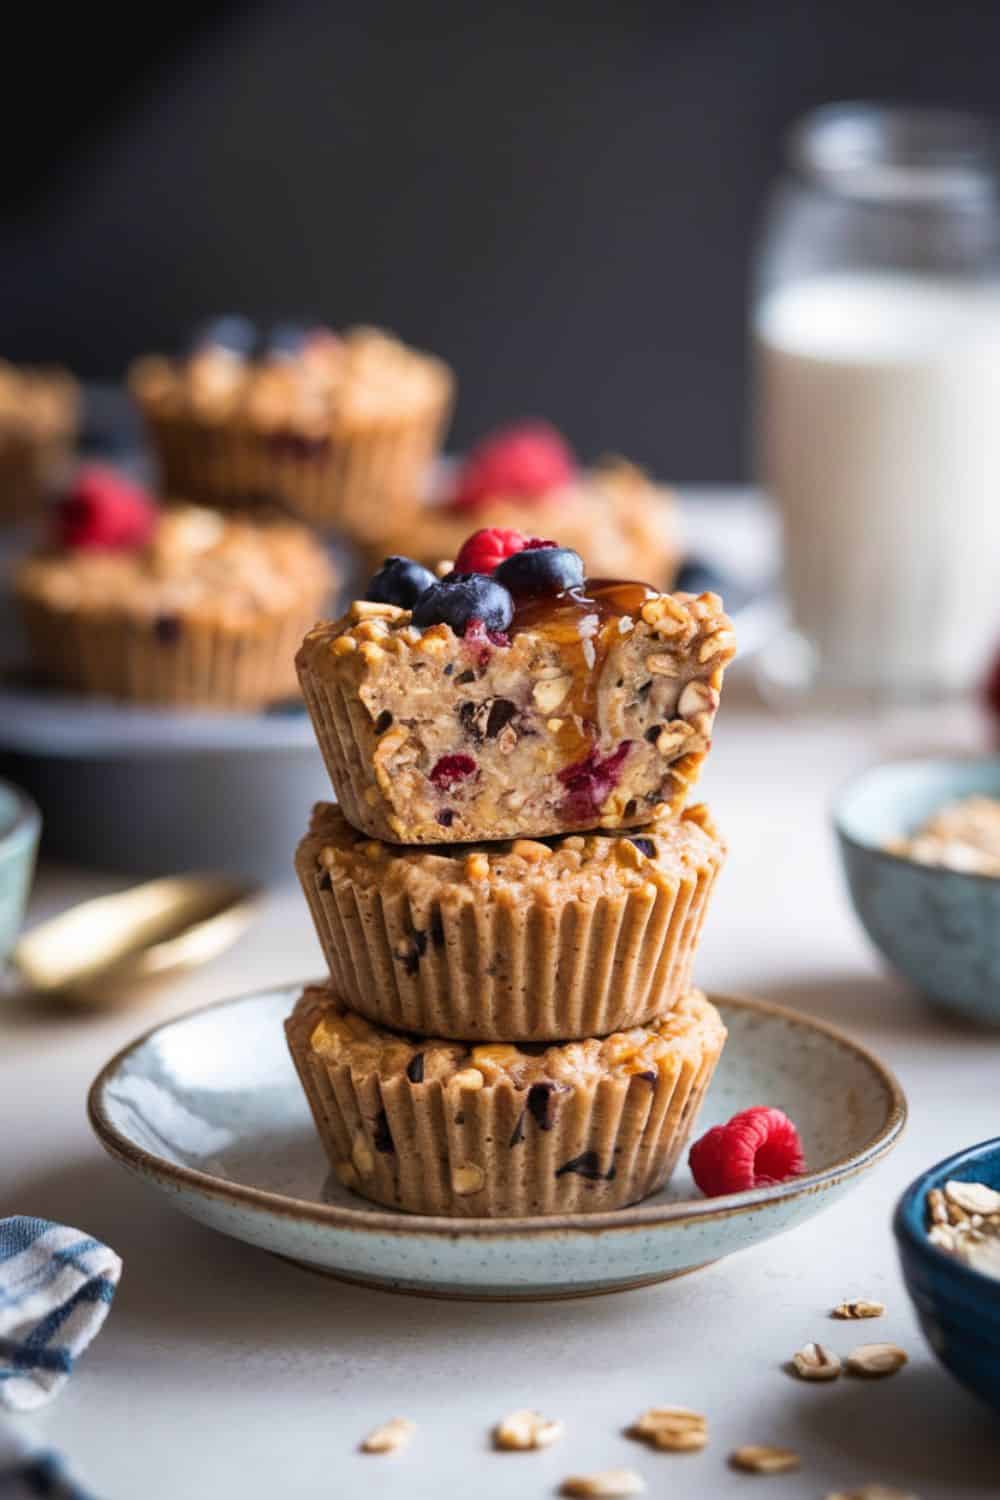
x=584 y=623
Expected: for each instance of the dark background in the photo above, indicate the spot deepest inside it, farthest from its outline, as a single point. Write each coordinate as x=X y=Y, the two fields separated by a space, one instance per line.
x=560 y=198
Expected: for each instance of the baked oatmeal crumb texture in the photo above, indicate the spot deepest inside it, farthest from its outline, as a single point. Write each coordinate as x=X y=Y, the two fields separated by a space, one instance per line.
x=335 y=381
x=595 y=710
x=199 y=565
x=340 y=1036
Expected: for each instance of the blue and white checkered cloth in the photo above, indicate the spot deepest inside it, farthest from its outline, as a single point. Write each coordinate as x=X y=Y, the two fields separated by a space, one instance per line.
x=56 y=1286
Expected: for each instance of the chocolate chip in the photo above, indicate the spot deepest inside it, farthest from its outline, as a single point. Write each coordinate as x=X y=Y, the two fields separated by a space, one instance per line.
x=541 y=1103
x=484 y=721
x=517 y=1134
x=324 y=882
x=644 y=846
x=411 y=958
x=167 y=629
x=437 y=929
x=587 y=1165
x=533 y=1049
x=645 y=687
x=382 y=1135
x=449 y=669
x=653 y=733
x=464 y=677
x=651 y=1076
x=446 y=817
x=415 y=1068
x=630 y=807
x=501 y=713
x=383 y=721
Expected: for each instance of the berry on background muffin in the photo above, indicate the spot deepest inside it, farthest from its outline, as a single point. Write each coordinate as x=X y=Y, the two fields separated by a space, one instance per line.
x=502 y=1130
x=39 y=419
x=526 y=478
x=337 y=427
x=523 y=939
x=180 y=606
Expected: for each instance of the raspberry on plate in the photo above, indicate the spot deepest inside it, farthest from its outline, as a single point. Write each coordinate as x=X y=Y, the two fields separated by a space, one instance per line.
x=758 y=1147
x=528 y=458
x=104 y=510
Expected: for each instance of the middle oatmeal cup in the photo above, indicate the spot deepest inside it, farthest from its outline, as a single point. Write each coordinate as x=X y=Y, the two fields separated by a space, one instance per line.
x=578 y=935
x=501 y=1131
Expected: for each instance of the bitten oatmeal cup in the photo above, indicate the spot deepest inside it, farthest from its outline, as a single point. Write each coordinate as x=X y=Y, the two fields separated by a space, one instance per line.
x=576 y=937
x=498 y=1131
x=595 y=709
x=207 y=611
x=333 y=426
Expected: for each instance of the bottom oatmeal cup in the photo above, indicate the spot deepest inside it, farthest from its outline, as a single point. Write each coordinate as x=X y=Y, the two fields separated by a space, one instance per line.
x=500 y=1131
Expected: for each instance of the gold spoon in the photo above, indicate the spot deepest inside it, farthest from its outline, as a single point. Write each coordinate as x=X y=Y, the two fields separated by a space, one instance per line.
x=96 y=951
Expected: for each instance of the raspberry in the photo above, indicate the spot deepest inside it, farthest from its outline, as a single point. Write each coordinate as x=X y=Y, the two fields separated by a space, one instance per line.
x=526 y=460
x=758 y=1147
x=485 y=550
x=450 y=770
x=104 y=510
x=589 y=782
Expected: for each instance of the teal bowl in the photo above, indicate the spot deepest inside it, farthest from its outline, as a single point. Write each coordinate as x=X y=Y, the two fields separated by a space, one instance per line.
x=958 y=1308
x=20 y=825
x=939 y=928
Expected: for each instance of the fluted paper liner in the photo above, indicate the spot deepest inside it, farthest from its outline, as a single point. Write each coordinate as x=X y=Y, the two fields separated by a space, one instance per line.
x=434 y=1148
x=340 y=480
x=537 y=961
x=114 y=655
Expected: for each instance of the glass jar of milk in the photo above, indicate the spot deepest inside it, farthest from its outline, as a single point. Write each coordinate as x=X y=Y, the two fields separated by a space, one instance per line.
x=876 y=327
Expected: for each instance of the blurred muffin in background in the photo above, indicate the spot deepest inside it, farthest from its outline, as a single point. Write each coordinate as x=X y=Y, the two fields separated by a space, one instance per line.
x=333 y=426
x=181 y=606
x=39 y=420
x=525 y=478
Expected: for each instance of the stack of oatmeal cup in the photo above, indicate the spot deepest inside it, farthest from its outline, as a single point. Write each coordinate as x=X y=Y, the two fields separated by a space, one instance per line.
x=511 y=891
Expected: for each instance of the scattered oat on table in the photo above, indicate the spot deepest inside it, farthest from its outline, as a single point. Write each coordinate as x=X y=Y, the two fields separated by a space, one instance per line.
x=390 y=1436
x=525 y=1429
x=608 y=1483
x=872 y=1492
x=759 y=1458
x=815 y=1362
x=673 y=1429
x=861 y=1307
x=876 y=1360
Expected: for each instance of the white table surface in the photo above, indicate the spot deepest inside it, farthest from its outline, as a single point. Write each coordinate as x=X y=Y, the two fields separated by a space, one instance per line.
x=224 y=1372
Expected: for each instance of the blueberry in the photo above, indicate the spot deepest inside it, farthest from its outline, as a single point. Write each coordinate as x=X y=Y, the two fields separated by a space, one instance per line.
x=541 y=570
x=285 y=340
x=461 y=598
x=399 y=581
x=235 y=333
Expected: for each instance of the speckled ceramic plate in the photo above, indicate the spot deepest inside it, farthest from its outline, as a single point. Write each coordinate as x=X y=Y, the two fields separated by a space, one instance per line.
x=207 y=1109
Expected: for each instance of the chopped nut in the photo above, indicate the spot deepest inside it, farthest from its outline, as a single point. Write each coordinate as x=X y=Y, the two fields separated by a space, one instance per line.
x=662 y=665
x=343 y=644
x=937 y=1206
x=672 y=737
x=697 y=702
x=522 y=1430
x=361 y=1154
x=372 y=654
x=372 y=630
x=466 y=1179
x=757 y=1458
x=467 y=1078
x=477 y=866
x=507 y=739
x=714 y=645
x=366 y=609
x=860 y=1308
x=973 y=1197
x=876 y=1360
x=816 y=1362
x=390 y=1436
x=530 y=850
x=608 y=1483
x=674 y=1429
x=497 y=1053
x=548 y=695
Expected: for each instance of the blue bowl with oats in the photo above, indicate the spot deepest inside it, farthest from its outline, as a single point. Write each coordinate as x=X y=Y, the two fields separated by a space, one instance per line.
x=958 y=1306
x=939 y=927
x=20 y=826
